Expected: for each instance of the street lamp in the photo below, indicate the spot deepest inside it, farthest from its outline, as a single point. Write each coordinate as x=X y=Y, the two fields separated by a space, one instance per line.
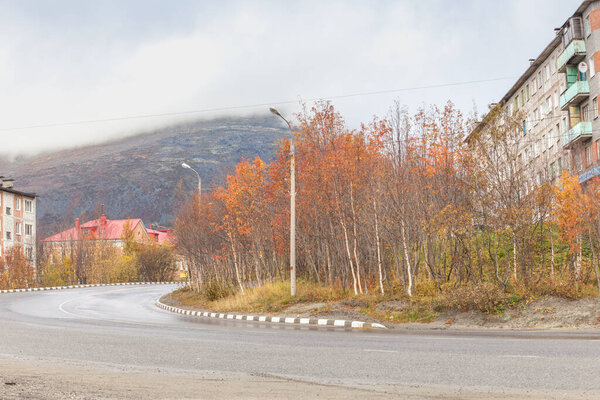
x=292 y=204
x=186 y=166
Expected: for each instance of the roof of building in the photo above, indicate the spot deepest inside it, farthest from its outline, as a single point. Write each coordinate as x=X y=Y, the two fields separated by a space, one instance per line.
x=161 y=235
x=112 y=230
x=11 y=190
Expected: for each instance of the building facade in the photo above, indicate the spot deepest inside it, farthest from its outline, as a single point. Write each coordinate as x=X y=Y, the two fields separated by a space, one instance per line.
x=556 y=100
x=17 y=220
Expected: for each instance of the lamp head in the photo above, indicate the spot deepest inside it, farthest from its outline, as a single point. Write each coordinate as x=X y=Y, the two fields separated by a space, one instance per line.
x=274 y=111
x=184 y=165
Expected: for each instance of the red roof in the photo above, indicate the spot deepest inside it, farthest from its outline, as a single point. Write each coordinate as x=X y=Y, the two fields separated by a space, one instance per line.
x=110 y=230
x=161 y=235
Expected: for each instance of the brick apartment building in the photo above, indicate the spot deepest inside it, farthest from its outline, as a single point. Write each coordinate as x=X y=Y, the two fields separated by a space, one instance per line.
x=558 y=99
x=17 y=220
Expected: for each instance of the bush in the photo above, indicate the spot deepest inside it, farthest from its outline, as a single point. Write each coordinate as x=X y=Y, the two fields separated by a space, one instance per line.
x=214 y=290
x=484 y=297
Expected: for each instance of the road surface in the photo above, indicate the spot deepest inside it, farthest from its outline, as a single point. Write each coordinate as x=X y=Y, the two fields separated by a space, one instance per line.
x=113 y=342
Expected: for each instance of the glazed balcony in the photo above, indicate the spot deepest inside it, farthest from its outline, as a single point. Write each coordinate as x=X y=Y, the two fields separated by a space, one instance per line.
x=581 y=131
x=575 y=94
x=573 y=54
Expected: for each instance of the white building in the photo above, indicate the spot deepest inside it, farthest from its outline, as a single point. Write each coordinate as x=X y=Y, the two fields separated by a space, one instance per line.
x=17 y=220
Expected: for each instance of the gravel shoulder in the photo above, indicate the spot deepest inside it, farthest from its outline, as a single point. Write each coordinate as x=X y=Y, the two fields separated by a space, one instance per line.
x=542 y=313
x=67 y=379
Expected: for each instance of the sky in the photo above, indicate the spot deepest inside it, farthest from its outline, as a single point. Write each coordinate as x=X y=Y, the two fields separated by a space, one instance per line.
x=65 y=62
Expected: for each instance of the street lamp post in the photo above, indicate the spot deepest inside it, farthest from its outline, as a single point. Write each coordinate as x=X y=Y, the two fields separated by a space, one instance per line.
x=186 y=166
x=292 y=204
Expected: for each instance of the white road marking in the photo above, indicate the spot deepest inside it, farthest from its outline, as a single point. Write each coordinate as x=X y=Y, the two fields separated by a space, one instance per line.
x=380 y=351
x=518 y=356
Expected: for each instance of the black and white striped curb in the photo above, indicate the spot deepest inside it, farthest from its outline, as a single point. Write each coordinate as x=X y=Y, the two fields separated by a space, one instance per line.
x=38 y=289
x=279 y=320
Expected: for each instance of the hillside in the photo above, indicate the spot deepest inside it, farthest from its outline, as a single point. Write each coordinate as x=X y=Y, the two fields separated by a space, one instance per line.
x=138 y=175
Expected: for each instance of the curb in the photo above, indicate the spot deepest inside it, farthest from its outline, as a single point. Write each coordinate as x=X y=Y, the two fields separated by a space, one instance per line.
x=38 y=289
x=280 y=320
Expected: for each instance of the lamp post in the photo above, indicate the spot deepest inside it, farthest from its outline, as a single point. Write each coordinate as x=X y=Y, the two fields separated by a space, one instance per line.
x=292 y=204
x=186 y=166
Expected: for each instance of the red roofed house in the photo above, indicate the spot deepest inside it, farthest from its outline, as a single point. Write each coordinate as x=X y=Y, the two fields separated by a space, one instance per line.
x=111 y=231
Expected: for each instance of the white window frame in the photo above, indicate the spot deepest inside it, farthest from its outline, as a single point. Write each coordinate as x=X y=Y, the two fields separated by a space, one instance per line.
x=17 y=204
x=28 y=206
x=28 y=229
x=18 y=228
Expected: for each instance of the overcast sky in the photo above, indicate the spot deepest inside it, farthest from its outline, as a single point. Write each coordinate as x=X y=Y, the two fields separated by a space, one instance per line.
x=64 y=61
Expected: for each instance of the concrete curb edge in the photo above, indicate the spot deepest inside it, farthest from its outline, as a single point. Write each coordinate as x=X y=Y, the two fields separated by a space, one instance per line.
x=279 y=320
x=39 y=289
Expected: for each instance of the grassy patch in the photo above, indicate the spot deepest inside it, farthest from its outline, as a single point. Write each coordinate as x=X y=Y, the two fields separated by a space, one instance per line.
x=272 y=297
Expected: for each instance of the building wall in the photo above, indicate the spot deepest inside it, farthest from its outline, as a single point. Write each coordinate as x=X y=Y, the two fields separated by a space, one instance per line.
x=543 y=151
x=12 y=219
x=585 y=169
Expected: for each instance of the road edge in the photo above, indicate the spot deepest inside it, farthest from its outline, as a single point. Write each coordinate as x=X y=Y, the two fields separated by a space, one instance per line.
x=340 y=323
x=39 y=289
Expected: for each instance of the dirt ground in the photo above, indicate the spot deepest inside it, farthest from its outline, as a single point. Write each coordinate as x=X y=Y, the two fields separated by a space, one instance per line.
x=67 y=379
x=543 y=313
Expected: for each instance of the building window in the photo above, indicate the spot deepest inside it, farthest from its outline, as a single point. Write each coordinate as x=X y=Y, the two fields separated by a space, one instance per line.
x=578 y=161
x=586 y=26
x=592 y=67
x=533 y=86
x=588 y=156
x=527 y=93
x=543 y=142
x=517 y=103
x=556 y=98
x=28 y=206
x=536 y=116
x=28 y=229
x=551 y=171
x=18 y=228
x=8 y=236
x=585 y=113
x=8 y=211
x=29 y=253
x=547 y=72
x=18 y=204
x=539 y=80
x=595 y=106
x=564 y=124
x=559 y=166
x=524 y=127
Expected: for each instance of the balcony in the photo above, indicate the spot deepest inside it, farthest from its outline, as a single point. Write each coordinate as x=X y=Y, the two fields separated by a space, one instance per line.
x=581 y=131
x=573 y=54
x=575 y=94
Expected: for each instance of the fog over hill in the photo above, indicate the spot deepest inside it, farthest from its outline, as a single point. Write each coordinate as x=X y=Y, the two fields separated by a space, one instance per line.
x=138 y=175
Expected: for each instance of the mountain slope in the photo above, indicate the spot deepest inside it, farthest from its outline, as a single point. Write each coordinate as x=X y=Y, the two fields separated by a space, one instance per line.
x=137 y=176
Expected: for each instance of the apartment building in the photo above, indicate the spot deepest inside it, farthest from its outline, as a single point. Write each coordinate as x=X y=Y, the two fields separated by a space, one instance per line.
x=557 y=99
x=17 y=220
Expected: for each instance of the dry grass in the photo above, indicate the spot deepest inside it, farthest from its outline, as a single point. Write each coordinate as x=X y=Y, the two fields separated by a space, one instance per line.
x=272 y=297
x=425 y=305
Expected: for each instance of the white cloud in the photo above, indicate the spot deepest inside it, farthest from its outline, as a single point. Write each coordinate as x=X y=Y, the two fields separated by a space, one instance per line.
x=96 y=63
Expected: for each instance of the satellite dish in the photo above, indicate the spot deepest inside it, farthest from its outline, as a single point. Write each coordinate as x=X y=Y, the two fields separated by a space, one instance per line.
x=582 y=67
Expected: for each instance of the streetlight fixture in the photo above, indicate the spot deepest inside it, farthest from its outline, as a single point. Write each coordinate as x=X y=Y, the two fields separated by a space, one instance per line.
x=186 y=166
x=292 y=204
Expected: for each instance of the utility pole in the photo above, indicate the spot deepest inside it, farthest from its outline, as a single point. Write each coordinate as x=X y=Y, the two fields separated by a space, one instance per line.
x=292 y=205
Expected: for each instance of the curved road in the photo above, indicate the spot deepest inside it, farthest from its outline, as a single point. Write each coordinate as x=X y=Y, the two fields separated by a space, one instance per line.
x=114 y=342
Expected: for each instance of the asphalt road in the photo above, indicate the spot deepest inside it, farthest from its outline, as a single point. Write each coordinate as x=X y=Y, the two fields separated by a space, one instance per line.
x=121 y=326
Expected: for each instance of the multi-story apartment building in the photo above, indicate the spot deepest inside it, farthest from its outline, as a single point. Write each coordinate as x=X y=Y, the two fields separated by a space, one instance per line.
x=557 y=99
x=17 y=220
